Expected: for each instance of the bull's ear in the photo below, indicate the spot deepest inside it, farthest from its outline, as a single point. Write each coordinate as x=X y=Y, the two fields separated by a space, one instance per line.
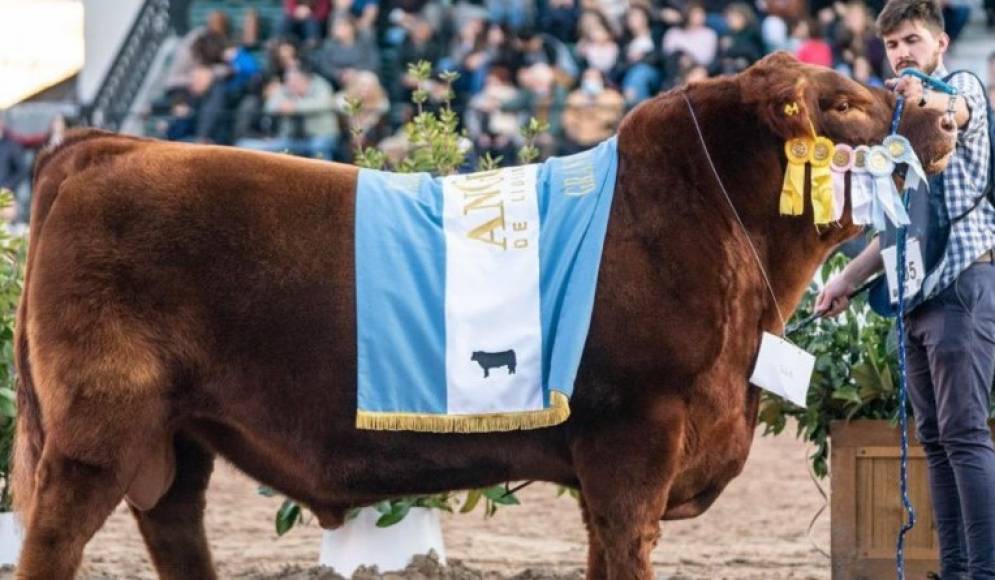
x=777 y=88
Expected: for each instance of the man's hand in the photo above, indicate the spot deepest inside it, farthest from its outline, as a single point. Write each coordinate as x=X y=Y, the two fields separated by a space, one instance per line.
x=908 y=86
x=912 y=89
x=835 y=297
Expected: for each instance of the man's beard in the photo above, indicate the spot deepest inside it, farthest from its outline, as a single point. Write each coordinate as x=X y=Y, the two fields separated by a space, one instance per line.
x=928 y=68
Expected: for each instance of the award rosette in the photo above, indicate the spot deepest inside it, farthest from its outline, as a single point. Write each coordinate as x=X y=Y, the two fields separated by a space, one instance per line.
x=798 y=152
x=861 y=186
x=842 y=161
x=823 y=203
x=885 y=201
x=901 y=151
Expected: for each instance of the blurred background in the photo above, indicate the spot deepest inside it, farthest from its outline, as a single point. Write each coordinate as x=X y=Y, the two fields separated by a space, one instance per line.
x=277 y=74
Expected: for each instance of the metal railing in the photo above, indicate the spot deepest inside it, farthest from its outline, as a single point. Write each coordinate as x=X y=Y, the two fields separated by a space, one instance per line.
x=124 y=79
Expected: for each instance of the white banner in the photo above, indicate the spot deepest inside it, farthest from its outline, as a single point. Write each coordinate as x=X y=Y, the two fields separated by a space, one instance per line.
x=493 y=329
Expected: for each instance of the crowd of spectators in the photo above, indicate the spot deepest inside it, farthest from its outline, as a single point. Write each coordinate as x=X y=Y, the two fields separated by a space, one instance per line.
x=576 y=64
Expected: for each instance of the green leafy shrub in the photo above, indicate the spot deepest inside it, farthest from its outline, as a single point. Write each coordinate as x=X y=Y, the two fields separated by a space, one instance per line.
x=12 y=252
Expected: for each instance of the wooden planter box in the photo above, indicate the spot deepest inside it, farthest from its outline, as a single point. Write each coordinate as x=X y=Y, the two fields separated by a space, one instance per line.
x=866 y=506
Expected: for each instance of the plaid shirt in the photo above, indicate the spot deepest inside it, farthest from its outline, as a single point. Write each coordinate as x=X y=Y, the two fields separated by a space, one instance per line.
x=963 y=181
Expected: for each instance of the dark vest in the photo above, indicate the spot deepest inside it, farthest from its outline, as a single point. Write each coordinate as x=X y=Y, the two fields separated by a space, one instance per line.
x=931 y=223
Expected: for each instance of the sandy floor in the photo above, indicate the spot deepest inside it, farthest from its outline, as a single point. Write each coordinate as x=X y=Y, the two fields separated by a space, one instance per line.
x=757 y=529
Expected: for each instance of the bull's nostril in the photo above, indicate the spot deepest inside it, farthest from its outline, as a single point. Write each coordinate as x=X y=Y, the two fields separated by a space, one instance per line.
x=947 y=124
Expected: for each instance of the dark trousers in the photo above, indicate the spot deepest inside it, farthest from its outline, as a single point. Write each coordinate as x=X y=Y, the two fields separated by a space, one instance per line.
x=951 y=360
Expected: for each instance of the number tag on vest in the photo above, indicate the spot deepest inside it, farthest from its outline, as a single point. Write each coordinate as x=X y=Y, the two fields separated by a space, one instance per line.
x=783 y=369
x=915 y=271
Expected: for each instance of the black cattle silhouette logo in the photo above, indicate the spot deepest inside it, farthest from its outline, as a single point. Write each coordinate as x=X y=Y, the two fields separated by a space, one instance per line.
x=491 y=360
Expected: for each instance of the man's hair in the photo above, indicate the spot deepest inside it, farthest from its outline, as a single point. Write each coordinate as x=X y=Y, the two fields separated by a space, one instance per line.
x=897 y=12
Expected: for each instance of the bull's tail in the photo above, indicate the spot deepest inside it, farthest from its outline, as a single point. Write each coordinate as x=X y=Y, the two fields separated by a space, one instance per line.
x=29 y=437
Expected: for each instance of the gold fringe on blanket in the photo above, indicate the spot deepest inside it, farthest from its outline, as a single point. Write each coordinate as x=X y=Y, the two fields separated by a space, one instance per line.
x=557 y=413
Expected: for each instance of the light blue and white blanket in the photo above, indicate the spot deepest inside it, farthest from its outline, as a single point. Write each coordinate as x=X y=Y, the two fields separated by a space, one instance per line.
x=474 y=292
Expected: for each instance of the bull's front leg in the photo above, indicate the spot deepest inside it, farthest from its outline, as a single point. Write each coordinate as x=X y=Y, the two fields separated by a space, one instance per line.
x=626 y=468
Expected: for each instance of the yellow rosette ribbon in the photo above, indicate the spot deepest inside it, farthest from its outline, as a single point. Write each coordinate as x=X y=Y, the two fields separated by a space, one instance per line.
x=823 y=203
x=798 y=152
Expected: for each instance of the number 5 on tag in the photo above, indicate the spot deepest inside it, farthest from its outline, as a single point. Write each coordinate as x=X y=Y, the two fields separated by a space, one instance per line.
x=914 y=269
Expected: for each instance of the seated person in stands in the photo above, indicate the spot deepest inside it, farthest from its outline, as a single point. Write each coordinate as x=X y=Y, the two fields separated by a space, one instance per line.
x=347 y=49
x=638 y=69
x=542 y=97
x=197 y=108
x=693 y=38
x=370 y=121
x=421 y=43
x=304 y=106
x=592 y=114
x=559 y=18
x=742 y=44
x=363 y=12
x=491 y=122
x=305 y=19
x=195 y=51
x=597 y=47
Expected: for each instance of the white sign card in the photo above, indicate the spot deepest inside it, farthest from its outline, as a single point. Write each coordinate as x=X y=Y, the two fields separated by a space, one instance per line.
x=783 y=369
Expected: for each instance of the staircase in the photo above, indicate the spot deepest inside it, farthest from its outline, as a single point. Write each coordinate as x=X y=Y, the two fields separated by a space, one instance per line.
x=116 y=96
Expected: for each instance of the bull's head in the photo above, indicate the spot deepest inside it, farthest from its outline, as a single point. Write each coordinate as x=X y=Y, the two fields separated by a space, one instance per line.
x=727 y=139
x=789 y=95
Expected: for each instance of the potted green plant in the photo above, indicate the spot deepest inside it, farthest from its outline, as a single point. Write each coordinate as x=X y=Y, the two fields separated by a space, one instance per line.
x=389 y=533
x=11 y=279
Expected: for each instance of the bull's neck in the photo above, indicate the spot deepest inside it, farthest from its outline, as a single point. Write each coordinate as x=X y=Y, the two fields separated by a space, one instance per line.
x=740 y=197
x=791 y=262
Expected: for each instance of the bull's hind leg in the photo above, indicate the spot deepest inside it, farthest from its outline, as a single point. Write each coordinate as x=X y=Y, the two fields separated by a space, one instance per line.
x=101 y=394
x=625 y=472
x=71 y=500
x=174 y=529
x=596 y=566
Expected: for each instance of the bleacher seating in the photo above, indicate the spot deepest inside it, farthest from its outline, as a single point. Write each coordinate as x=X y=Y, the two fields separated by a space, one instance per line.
x=270 y=12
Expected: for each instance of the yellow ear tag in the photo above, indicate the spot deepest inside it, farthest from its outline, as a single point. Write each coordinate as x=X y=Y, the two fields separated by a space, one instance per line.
x=823 y=205
x=793 y=191
x=791 y=109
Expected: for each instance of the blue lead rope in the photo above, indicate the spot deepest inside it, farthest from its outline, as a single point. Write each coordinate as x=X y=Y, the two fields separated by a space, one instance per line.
x=903 y=419
x=933 y=82
x=897 y=116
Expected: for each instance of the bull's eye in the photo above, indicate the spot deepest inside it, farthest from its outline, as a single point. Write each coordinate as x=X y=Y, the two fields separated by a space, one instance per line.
x=842 y=106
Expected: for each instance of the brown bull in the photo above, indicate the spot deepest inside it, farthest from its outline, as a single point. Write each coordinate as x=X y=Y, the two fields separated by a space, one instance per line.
x=183 y=302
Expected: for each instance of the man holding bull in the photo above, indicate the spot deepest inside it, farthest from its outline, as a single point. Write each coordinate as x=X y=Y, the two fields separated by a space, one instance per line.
x=950 y=337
